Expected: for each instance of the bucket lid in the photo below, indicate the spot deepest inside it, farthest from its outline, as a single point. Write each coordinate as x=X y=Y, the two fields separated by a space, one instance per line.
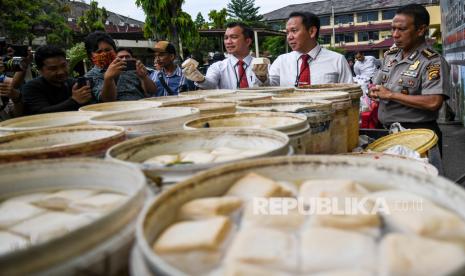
x=420 y=140
x=120 y=106
x=238 y=97
x=176 y=99
x=268 y=89
x=47 y=120
x=145 y=116
x=205 y=106
x=206 y=93
x=355 y=90
x=331 y=96
x=286 y=105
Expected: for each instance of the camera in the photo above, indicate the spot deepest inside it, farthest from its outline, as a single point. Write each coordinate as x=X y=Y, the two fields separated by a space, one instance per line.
x=83 y=81
x=13 y=64
x=130 y=65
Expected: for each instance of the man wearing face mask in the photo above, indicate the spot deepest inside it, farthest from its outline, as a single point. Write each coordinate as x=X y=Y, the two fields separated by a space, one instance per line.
x=308 y=63
x=111 y=80
x=233 y=72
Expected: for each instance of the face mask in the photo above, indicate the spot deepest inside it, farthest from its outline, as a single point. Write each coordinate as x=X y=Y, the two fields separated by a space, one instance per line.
x=104 y=59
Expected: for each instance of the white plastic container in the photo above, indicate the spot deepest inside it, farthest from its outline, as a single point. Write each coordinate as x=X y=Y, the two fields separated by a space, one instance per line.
x=148 y=121
x=164 y=100
x=136 y=151
x=207 y=108
x=239 y=98
x=99 y=248
x=119 y=106
x=160 y=212
x=294 y=125
x=43 y=121
x=268 y=89
x=91 y=141
x=207 y=93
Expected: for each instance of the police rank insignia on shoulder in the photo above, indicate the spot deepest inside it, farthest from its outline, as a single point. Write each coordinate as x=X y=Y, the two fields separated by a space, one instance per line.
x=428 y=53
x=414 y=66
x=434 y=71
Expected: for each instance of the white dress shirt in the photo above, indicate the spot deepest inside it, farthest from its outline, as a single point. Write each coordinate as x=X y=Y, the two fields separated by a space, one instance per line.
x=367 y=68
x=325 y=67
x=225 y=74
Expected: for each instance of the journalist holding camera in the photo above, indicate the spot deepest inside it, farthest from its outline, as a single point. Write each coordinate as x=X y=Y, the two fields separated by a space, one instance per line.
x=54 y=91
x=115 y=75
x=12 y=75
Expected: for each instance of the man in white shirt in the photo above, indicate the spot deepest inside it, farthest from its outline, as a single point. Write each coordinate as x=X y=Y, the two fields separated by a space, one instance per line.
x=233 y=72
x=308 y=63
x=365 y=67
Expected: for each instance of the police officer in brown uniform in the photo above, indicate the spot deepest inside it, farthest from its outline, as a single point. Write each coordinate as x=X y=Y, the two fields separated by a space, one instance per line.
x=413 y=80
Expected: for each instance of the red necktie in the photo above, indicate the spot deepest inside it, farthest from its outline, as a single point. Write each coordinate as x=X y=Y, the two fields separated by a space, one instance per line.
x=304 y=76
x=242 y=76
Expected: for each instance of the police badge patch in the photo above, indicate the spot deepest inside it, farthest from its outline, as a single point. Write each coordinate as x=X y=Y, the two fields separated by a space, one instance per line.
x=434 y=71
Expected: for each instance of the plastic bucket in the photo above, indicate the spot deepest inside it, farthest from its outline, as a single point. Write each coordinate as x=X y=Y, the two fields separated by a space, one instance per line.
x=92 y=141
x=294 y=125
x=268 y=89
x=355 y=92
x=318 y=113
x=161 y=211
x=105 y=108
x=135 y=151
x=207 y=108
x=166 y=100
x=239 y=98
x=207 y=93
x=43 y=121
x=99 y=248
x=340 y=123
x=148 y=121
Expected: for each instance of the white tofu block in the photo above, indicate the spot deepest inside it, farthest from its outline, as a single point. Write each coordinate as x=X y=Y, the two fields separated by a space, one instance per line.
x=49 y=226
x=264 y=247
x=184 y=236
x=254 y=185
x=413 y=214
x=346 y=272
x=27 y=198
x=260 y=61
x=14 y=212
x=243 y=269
x=290 y=221
x=197 y=157
x=405 y=255
x=331 y=188
x=227 y=158
x=103 y=202
x=162 y=160
x=190 y=62
x=209 y=207
x=10 y=242
x=323 y=249
x=62 y=199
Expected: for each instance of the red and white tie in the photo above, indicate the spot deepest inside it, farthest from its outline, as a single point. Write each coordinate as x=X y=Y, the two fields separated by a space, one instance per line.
x=242 y=76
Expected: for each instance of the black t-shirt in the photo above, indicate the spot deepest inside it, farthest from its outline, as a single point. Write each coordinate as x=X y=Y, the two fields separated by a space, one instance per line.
x=39 y=96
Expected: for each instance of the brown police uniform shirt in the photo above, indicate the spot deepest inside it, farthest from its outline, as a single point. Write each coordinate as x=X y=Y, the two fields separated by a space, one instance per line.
x=424 y=72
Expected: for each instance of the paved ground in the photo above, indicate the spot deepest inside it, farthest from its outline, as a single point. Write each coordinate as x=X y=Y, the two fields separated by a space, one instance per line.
x=453 y=151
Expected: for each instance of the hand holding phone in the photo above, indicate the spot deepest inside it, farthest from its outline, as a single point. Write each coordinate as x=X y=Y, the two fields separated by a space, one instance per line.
x=130 y=65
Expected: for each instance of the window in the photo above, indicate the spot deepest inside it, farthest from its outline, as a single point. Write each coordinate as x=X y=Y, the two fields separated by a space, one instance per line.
x=326 y=39
x=388 y=14
x=324 y=21
x=367 y=16
x=366 y=36
x=344 y=18
x=348 y=37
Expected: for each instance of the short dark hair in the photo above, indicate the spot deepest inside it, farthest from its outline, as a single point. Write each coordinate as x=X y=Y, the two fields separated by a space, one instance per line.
x=246 y=30
x=418 y=12
x=93 y=39
x=47 y=51
x=308 y=19
x=120 y=49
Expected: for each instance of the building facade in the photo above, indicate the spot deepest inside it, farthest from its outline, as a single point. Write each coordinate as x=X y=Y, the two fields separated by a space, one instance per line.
x=363 y=25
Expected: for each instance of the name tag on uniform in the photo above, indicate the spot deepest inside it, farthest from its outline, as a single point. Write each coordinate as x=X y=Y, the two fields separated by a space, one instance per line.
x=409 y=73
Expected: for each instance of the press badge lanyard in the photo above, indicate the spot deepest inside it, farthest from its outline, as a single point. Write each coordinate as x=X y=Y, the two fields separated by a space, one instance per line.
x=296 y=84
x=238 y=80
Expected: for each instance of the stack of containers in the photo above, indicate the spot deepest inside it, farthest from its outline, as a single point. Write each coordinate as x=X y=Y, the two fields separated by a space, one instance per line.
x=341 y=104
x=318 y=112
x=355 y=92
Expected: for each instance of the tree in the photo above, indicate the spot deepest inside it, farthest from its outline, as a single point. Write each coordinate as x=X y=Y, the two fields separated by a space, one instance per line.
x=22 y=20
x=218 y=18
x=200 y=22
x=166 y=20
x=93 y=19
x=276 y=45
x=245 y=11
